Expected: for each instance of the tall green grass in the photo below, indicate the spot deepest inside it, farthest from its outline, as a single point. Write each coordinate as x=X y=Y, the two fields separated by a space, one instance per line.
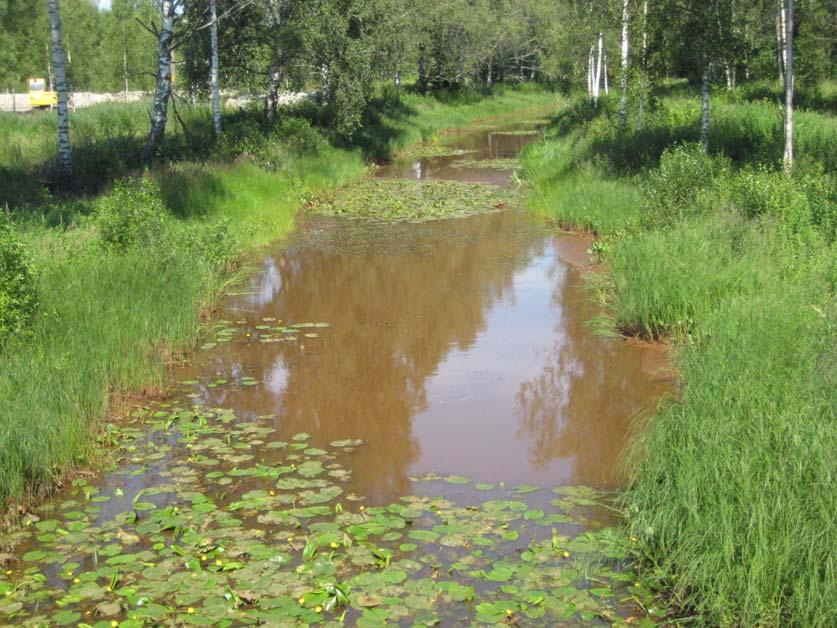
x=731 y=501
x=732 y=498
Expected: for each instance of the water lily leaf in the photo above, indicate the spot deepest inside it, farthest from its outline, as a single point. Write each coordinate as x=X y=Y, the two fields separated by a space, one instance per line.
x=426 y=536
x=108 y=608
x=367 y=600
x=310 y=469
x=66 y=617
x=524 y=488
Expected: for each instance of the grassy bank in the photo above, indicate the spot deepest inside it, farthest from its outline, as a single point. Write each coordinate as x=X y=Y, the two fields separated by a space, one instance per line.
x=103 y=291
x=732 y=495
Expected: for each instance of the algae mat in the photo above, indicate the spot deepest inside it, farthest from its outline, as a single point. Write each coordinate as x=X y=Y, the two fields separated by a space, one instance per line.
x=394 y=200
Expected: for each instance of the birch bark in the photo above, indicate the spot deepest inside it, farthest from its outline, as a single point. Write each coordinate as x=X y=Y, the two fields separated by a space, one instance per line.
x=65 y=154
x=597 y=72
x=704 y=107
x=623 y=100
x=162 y=93
x=788 y=157
x=213 y=70
x=644 y=80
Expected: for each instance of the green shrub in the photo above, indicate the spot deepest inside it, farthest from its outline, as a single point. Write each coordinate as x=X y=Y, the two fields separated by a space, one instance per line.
x=17 y=287
x=245 y=139
x=133 y=214
x=680 y=187
x=759 y=192
x=299 y=135
x=800 y=202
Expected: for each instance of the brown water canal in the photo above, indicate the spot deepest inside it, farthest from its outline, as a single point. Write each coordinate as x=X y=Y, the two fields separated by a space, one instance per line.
x=453 y=349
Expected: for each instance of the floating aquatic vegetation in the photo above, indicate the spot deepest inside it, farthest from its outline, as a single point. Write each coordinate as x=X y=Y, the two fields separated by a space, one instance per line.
x=400 y=200
x=237 y=527
x=519 y=132
x=496 y=164
x=432 y=149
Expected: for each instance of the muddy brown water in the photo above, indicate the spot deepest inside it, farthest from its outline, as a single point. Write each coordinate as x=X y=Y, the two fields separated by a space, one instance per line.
x=454 y=346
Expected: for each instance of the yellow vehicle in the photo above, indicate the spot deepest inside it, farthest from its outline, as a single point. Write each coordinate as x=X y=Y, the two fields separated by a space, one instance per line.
x=39 y=97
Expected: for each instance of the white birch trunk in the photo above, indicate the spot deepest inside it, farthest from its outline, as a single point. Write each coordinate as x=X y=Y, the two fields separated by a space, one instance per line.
x=704 y=107
x=271 y=98
x=50 y=75
x=604 y=70
x=162 y=93
x=780 y=60
x=783 y=41
x=590 y=63
x=623 y=101
x=644 y=80
x=124 y=59
x=65 y=154
x=597 y=72
x=788 y=157
x=214 y=87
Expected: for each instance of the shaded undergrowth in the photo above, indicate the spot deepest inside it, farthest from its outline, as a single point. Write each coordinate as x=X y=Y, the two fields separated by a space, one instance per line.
x=734 y=262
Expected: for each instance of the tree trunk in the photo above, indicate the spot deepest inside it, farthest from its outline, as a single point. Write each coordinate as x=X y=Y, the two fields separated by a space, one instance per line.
x=50 y=75
x=704 y=107
x=422 y=70
x=729 y=71
x=65 y=154
x=162 y=93
x=124 y=59
x=590 y=64
x=643 y=83
x=597 y=72
x=783 y=42
x=623 y=100
x=214 y=87
x=788 y=157
x=271 y=98
x=604 y=70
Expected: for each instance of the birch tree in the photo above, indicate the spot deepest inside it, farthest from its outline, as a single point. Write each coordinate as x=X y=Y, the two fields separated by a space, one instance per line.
x=65 y=155
x=643 y=82
x=277 y=10
x=705 y=87
x=788 y=156
x=214 y=87
x=162 y=92
x=623 y=99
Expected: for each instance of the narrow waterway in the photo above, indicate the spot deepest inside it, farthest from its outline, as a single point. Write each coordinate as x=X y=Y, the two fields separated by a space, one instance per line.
x=446 y=359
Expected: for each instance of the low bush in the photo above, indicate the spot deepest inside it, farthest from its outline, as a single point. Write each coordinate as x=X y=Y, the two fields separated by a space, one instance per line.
x=132 y=215
x=682 y=185
x=18 y=299
x=800 y=202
